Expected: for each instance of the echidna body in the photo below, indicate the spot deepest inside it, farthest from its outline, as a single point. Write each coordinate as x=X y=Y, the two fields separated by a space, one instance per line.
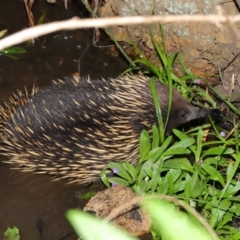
x=73 y=128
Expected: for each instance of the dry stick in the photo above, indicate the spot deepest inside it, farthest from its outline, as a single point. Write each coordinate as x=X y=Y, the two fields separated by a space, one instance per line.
x=75 y=23
x=28 y=6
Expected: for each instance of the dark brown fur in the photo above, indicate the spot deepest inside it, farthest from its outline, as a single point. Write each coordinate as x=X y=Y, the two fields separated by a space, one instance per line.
x=73 y=128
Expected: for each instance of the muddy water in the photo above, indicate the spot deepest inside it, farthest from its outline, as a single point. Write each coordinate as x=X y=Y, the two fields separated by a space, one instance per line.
x=34 y=203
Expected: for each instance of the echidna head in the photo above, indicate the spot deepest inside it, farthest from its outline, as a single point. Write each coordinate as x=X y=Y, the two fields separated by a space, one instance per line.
x=184 y=115
x=181 y=110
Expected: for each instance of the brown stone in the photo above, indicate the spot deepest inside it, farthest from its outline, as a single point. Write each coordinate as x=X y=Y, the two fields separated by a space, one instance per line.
x=132 y=219
x=205 y=46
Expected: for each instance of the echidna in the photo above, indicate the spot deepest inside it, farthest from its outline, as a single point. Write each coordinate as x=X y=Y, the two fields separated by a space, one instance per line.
x=73 y=128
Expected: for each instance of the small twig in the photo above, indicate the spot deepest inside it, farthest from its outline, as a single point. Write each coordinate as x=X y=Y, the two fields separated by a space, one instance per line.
x=28 y=6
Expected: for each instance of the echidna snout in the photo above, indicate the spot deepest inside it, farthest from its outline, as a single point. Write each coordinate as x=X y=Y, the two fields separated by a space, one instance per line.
x=73 y=128
x=184 y=116
x=181 y=110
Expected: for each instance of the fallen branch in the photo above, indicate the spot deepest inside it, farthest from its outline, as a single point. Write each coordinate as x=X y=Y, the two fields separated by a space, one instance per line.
x=75 y=23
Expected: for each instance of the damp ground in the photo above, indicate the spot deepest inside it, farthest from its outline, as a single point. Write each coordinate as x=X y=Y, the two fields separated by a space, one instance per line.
x=35 y=203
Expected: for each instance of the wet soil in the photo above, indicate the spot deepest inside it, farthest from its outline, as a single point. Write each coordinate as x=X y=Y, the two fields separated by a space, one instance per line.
x=34 y=203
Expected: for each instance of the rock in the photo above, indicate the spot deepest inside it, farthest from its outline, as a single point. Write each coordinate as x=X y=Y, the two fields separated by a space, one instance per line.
x=204 y=45
x=133 y=219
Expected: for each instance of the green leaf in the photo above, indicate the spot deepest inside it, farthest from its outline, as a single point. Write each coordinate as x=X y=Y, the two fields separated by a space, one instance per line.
x=228 y=151
x=155 y=154
x=121 y=170
x=165 y=144
x=230 y=172
x=176 y=151
x=13 y=52
x=89 y=227
x=216 y=161
x=11 y=234
x=214 y=174
x=224 y=221
x=158 y=110
x=42 y=18
x=183 y=143
x=173 y=224
x=214 y=151
x=163 y=187
x=142 y=187
x=231 y=190
x=104 y=179
x=214 y=213
x=180 y=134
x=236 y=236
x=130 y=169
x=187 y=190
x=147 y=168
x=155 y=140
x=156 y=175
x=172 y=176
x=219 y=211
x=119 y=181
x=145 y=145
x=87 y=195
x=179 y=163
x=179 y=186
x=144 y=169
x=197 y=186
x=175 y=174
x=199 y=145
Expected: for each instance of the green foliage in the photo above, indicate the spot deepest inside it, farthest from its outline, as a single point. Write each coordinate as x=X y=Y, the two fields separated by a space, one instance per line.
x=209 y=184
x=11 y=234
x=183 y=226
x=87 y=195
x=13 y=52
x=156 y=102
